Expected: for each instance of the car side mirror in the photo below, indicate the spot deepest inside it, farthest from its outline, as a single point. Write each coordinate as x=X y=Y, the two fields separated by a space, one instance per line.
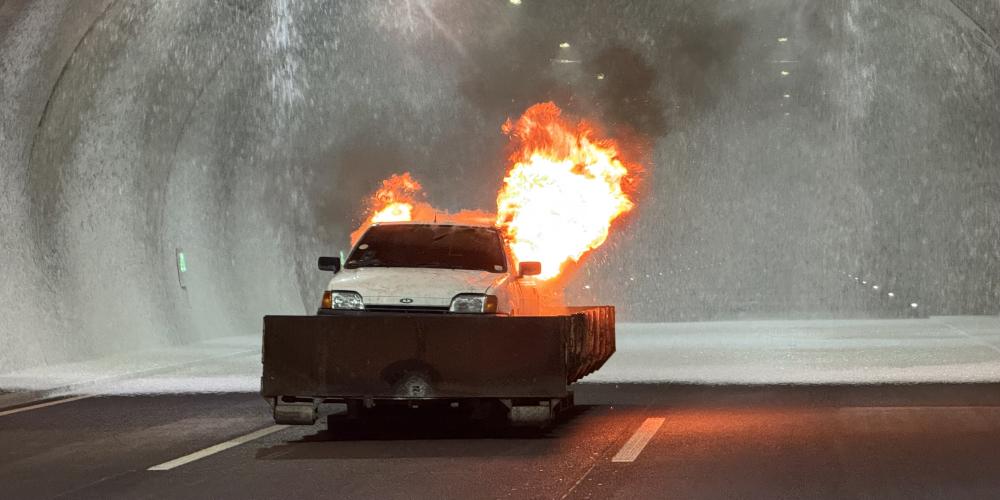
x=530 y=268
x=329 y=264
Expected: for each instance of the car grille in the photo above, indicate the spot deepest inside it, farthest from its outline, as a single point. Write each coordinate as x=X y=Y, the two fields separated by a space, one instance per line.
x=407 y=309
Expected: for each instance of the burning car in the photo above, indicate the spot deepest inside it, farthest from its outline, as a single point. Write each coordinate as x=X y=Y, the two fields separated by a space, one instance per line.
x=460 y=313
x=430 y=314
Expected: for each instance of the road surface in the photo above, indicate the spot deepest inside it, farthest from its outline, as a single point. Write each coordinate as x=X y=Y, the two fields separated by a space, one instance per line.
x=796 y=409
x=904 y=441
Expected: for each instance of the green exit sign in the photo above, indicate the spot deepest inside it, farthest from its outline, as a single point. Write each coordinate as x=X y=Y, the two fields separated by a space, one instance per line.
x=182 y=267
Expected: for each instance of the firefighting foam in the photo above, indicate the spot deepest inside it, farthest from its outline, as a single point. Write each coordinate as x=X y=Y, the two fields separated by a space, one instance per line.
x=564 y=188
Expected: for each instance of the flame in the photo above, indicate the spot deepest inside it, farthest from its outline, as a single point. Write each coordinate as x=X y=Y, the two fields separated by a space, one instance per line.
x=394 y=201
x=394 y=212
x=563 y=190
x=397 y=200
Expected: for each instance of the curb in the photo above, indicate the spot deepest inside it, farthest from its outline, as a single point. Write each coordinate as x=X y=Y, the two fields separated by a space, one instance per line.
x=15 y=399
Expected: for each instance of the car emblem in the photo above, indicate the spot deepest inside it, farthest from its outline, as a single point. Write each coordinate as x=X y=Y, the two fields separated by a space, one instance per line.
x=406 y=301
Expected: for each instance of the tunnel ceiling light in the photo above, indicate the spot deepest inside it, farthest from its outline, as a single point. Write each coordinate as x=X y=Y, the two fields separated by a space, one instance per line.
x=564 y=45
x=914 y=305
x=515 y=2
x=600 y=76
x=784 y=73
x=781 y=39
x=891 y=295
x=875 y=287
x=787 y=96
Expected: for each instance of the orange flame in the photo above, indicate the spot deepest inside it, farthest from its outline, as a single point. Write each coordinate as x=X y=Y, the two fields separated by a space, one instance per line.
x=564 y=189
x=562 y=192
x=395 y=201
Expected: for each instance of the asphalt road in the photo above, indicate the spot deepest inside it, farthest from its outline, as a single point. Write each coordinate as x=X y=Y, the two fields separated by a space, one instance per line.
x=930 y=441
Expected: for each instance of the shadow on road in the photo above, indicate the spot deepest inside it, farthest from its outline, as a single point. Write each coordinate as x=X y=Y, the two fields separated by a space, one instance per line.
x=605 y=408
x=681 y=395
x=428 y=433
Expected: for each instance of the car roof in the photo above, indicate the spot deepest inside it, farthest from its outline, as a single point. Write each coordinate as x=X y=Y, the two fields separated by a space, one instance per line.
x=488 y=225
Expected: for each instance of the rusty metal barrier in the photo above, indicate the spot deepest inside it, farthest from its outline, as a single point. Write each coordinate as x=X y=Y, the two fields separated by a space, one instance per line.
x=414 y=356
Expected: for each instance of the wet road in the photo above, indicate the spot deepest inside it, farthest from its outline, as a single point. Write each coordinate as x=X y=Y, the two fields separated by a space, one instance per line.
x=930 y=441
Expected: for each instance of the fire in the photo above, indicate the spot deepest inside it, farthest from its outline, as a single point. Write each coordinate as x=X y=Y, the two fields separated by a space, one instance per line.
x=394 y=201
x=397 y=200
x=395 y=212
x=563 y=190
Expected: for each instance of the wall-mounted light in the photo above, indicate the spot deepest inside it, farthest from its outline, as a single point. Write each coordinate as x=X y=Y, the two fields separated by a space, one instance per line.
x=182 y=268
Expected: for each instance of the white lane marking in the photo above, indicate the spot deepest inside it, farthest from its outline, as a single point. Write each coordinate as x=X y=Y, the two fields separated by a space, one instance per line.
x=212 y=450
x=634 y=446
x=43 y=405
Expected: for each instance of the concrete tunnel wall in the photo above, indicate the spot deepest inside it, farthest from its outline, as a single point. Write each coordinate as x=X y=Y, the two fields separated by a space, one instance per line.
x=247 y=132
x=138 y=134
x=138 y=127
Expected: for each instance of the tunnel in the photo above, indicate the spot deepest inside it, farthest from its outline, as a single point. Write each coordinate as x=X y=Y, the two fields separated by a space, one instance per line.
x=172 y=169
x=240 y=135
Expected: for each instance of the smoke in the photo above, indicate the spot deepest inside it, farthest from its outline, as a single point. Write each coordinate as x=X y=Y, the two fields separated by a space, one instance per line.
x=632 y=75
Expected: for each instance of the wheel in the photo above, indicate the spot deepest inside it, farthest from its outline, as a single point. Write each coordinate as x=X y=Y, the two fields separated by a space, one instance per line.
x=294 y=412
x=538 y=416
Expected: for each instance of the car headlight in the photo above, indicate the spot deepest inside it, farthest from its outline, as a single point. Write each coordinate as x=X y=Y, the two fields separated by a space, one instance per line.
x=473 y=303
x=339 y=299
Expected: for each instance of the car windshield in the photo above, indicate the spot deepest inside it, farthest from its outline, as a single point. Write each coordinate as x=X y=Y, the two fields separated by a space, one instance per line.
x=429 y=246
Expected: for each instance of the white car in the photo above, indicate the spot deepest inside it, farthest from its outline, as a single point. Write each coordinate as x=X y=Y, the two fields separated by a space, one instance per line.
x=419 y=267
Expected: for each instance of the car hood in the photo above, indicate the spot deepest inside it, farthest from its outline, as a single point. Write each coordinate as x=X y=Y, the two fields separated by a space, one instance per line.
x=424 y=287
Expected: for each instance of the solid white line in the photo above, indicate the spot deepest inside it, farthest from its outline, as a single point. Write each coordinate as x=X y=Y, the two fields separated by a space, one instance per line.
x=212 y=450
x=43 y=405
x=634 y=446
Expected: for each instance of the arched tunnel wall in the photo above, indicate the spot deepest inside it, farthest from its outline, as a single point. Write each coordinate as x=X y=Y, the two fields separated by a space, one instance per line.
x=246 y=134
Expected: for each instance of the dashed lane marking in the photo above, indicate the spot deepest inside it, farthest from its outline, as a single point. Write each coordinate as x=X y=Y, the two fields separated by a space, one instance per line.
x=43 y=405
x=212 y=450
x=634 y=446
